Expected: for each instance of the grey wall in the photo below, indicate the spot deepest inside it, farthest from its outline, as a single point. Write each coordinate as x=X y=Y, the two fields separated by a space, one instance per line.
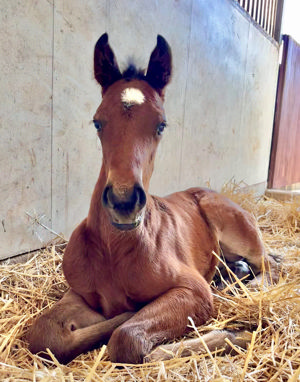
x=219 y=105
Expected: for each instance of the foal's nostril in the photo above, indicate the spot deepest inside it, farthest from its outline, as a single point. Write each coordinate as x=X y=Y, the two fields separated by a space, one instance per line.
x=141 y=196
x=107 y=197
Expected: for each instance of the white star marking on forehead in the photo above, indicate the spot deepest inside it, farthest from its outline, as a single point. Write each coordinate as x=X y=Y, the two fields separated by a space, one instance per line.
x=132 y=96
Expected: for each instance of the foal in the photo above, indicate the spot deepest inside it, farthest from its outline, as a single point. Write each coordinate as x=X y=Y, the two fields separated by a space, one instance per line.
x=139 y=265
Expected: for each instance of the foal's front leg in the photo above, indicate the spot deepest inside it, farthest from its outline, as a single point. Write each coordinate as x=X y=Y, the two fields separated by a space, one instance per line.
x=70 y=328
x=163 y=319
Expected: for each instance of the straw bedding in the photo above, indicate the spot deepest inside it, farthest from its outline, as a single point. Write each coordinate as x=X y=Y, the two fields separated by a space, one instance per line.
x=271 y=316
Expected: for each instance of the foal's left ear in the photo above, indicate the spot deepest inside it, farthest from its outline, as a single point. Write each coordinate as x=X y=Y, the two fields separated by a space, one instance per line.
x=160 y=65
x=106 y=69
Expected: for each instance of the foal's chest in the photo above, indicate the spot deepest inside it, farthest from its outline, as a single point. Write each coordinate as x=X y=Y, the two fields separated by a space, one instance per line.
x=114 y=288
x=127 y=286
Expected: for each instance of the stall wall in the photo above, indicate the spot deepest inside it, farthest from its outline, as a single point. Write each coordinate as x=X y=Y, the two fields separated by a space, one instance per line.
x=219 y=105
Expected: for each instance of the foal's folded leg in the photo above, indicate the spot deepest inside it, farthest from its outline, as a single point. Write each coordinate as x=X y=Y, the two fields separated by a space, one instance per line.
x=162 y=320
x=215 y=340
x=239 y=237
x=70 y=328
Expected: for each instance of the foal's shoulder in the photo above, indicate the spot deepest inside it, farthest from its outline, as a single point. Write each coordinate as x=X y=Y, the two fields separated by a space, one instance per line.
x=186 y=200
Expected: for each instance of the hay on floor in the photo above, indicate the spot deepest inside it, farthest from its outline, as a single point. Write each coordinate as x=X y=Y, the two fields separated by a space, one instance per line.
x=272 y=316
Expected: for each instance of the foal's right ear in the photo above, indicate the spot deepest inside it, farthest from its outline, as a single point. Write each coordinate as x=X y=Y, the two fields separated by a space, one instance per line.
x=106 y=70
x=160 y=66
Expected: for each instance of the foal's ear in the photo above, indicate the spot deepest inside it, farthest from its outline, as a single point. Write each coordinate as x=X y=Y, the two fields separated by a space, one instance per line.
x=160 y=65
x=106 y=69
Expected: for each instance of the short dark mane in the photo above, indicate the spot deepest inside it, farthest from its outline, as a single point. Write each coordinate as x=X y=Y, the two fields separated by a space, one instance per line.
x=132 y=73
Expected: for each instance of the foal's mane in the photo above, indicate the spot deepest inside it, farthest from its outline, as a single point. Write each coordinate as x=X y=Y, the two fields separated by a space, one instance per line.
x=133 y=73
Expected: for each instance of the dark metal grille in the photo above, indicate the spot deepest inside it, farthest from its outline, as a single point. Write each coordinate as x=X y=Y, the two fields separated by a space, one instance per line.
x=267 y=13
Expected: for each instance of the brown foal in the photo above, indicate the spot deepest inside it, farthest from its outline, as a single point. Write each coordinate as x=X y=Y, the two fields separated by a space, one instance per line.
x=139 y=265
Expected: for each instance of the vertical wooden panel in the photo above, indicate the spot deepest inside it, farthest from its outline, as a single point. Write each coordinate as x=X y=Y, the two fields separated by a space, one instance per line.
x=285 y=155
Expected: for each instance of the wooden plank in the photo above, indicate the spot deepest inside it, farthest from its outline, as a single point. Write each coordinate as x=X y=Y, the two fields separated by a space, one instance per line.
x=285 y=154
x=274 y=148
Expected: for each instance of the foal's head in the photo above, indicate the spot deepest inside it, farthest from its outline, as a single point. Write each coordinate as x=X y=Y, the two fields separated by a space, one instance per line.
x=130 y=121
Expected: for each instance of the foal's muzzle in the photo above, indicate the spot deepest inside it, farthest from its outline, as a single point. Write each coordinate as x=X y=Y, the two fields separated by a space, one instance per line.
x=124 y=205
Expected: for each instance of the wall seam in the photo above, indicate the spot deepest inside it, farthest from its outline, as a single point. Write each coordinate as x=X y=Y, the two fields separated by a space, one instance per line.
x=107 y=9
x=185 y=95
x=242 y=115
x=51 y=116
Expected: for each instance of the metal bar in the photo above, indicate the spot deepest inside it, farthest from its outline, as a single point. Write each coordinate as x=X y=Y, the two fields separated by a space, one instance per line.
x=278 y=20
x=263 y=15
x=255 y=10
x=258 y=12
x=251 y=8
x=273 y=17
x=267 y=15
x=270 y=17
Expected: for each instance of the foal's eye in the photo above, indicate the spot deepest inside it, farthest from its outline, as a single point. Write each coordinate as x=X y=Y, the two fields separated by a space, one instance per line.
x=161 y=127
x=97 y=125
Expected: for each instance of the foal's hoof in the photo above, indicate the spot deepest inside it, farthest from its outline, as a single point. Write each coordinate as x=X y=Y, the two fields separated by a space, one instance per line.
x=224 y=278
x=271 y=273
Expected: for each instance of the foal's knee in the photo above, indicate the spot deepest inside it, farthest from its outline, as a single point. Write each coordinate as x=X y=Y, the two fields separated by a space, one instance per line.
x=128 y=344
x=47 y=333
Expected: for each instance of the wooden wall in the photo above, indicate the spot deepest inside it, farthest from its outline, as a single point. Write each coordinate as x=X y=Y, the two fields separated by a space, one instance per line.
x=285 y=155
